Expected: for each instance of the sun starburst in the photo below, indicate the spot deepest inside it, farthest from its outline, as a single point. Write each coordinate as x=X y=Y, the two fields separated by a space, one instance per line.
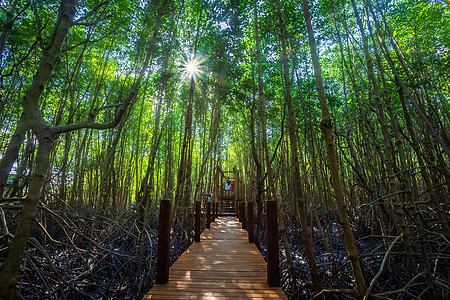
x=192 y=67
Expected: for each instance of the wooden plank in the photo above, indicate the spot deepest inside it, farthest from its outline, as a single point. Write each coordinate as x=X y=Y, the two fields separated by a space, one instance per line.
x=223 y=278
x=232 y=294
x=170 y=297
x=212 y=296
x=224 y=265
x=217 y=285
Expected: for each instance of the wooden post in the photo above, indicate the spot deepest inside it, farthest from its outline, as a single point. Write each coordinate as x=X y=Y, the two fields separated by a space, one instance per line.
x=217 y=209
x=251 y=226
x=242 y=189
x=244 y=216
x=273 y=266
x=242 y=192
x=216 y=185
x=219 y=194
x=213 y=213
x=239 y=211
x=208 y=215
x=163 y=254
x=237 y=187
x=198 y=212
x=221 y=185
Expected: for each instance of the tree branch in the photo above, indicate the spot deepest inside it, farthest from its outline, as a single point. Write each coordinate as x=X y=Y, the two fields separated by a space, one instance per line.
x=92 y=12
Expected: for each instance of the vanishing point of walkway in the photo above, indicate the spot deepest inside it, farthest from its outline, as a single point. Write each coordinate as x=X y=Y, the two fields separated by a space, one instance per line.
x=224 y=265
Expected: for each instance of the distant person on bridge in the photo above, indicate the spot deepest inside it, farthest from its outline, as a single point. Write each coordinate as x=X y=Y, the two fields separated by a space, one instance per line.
x=232 y=187
x=227 y=188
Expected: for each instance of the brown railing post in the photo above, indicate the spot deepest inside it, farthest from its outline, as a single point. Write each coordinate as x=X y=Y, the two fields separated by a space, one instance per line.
x=163 y=254
x=250 y=227
x=244 y=216
x=198 y=212
x=213 y=212
x=217 y=209
x=273 y=266
x=239 y=211
x=208 y=215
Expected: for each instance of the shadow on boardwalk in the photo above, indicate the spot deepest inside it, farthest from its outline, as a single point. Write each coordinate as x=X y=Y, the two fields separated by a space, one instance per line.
x=224 y=265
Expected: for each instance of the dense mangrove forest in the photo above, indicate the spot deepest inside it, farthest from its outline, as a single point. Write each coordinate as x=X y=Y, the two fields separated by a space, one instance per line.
x=337 y=111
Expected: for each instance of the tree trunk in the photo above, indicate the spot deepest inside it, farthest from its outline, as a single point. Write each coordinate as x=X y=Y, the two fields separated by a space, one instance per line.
x=32 y=117
x=272 y=190
x=326 y=127
x=388 y=155
x=184 y=153
x=12 y=152
x=292 y=126
x=46 y=134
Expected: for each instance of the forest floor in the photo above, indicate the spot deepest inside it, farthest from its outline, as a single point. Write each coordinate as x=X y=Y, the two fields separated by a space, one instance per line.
x=66 y=260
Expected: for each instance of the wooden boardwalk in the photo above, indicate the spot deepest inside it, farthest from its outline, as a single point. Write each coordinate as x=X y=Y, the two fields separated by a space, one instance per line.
x=224 y=265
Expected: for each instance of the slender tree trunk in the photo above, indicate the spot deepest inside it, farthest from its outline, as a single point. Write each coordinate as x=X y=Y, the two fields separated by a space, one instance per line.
x=12 y=152
x=292 y=126
x=388 y=155
x=326 y=127
x=21 y=174
x=7 y=25
x=184 y=153
x=272 y=190
x=258 y=180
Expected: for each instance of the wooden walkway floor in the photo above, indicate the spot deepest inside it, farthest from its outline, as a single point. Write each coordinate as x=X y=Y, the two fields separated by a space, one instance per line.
x=224 y=265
